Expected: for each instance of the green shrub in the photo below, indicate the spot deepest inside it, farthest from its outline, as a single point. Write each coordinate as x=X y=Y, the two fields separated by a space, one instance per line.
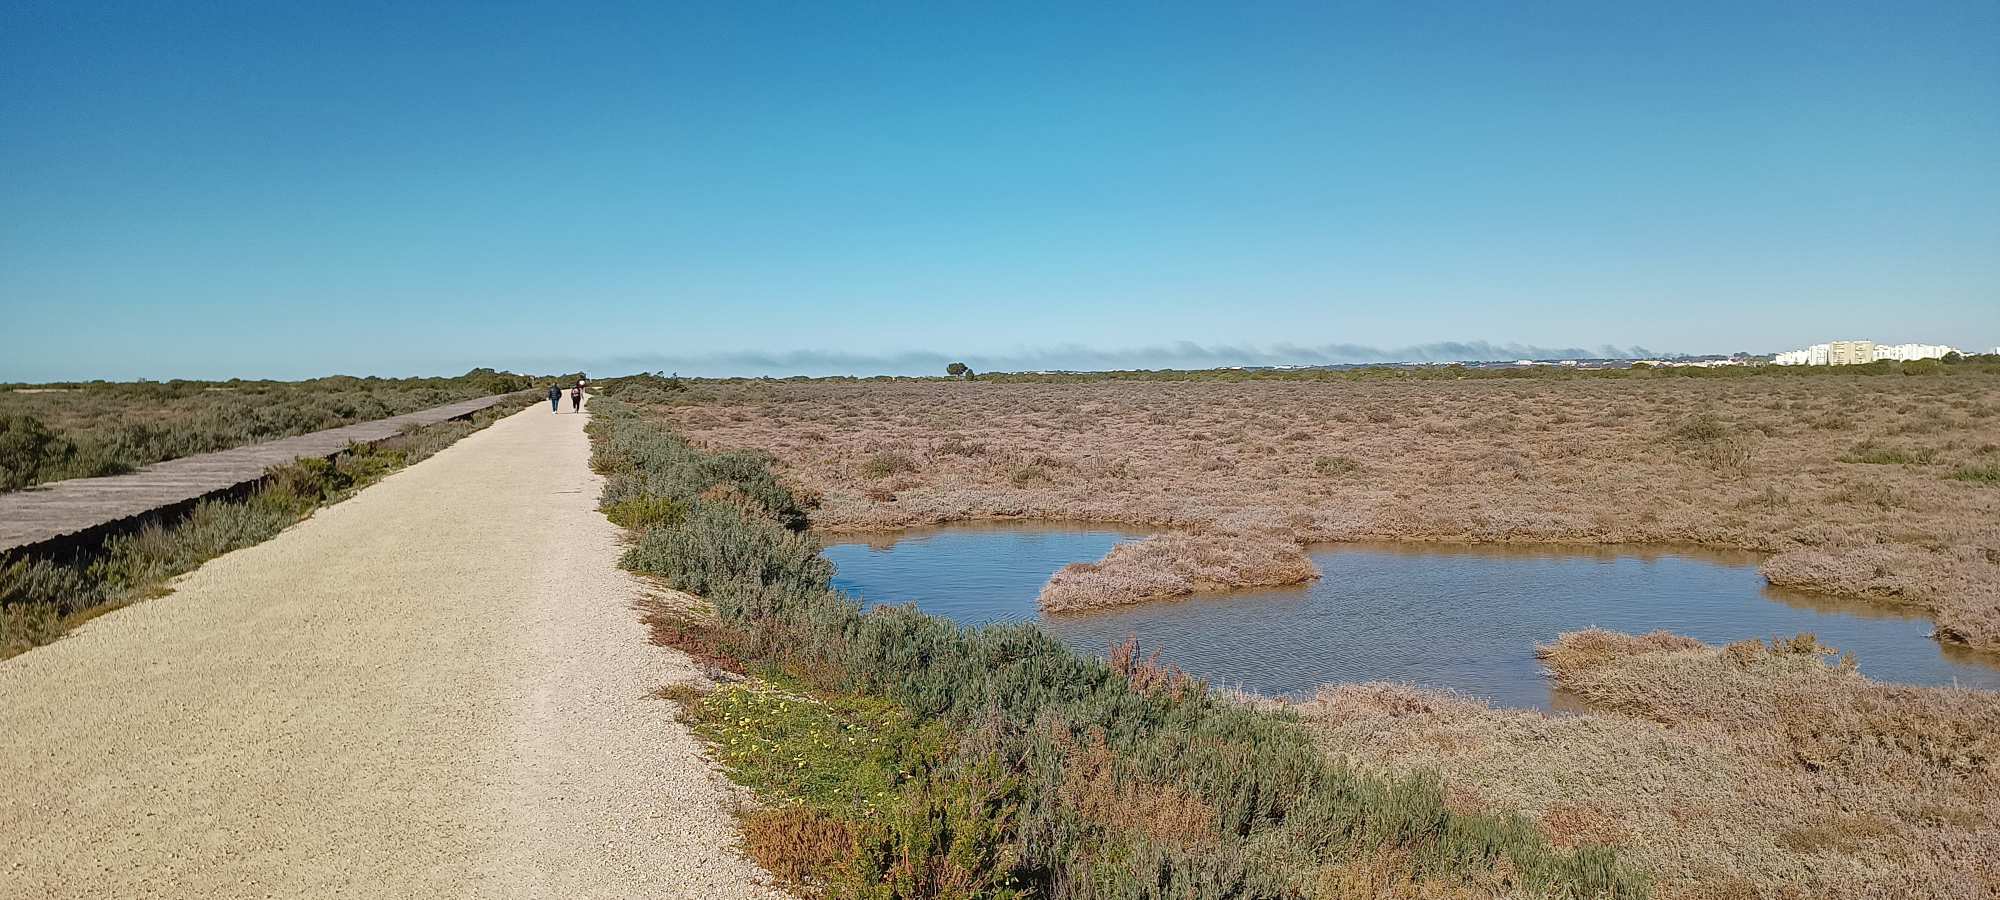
x=718 y=546
x=38 y=581
x=26 y=626
x=27 y=449
x=32 y=454
x=307 y=479
x=648 y=463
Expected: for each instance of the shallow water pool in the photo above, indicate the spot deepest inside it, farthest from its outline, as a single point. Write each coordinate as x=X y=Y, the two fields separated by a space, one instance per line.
x=1463 y=617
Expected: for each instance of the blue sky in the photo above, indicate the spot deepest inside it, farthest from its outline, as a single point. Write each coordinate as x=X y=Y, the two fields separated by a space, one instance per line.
x=286 y=190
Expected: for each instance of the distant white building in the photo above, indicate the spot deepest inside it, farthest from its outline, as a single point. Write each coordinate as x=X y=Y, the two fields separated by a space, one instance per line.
x=1815 y=355
x=1848 y=353
x=1911 y=352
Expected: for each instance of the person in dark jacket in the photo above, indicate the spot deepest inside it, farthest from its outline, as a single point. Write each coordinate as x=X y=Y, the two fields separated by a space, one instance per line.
x=555 y=399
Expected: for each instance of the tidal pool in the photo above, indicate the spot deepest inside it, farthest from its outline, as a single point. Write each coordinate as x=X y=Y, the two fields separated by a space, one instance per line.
x=1462 y=617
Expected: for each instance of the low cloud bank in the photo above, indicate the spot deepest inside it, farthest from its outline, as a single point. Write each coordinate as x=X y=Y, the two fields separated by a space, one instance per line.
x=1181 y=355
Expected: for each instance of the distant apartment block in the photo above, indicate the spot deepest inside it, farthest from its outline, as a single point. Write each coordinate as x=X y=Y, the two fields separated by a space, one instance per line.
x=1850 y=353
x=1854 y=353
x=1912 y=352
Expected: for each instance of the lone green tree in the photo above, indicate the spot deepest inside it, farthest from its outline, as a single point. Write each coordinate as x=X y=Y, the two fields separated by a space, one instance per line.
x=958 y=370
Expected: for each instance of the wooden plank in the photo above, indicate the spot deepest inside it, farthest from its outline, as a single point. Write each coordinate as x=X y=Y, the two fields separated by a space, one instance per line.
x=63 y=508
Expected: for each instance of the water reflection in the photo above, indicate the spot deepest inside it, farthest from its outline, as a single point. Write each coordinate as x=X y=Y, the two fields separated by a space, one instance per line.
x=1465 y=617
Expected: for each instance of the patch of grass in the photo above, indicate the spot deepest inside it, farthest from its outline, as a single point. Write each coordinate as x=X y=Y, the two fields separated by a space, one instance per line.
x=640 y=513
x=1874 y=455
x=1708 y=439
x=1028 y=476
x=843 y=754
x=886 y=463
x=1846 y=835
x=858 y=795
x=1988 y=473
x=1334 y=466
x=1703 y=428
x=1868 y=493
x=958 y=445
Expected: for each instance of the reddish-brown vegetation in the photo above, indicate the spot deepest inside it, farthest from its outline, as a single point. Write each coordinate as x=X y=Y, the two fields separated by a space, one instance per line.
x=1744 y=771
x=672 y=625
x=1096 y=786
x=1148 y=673
x=1846 y=480
x=795 y=843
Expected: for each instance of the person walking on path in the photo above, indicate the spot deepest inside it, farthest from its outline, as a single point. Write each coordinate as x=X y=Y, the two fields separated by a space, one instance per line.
x=555 y=399
x=576 y=398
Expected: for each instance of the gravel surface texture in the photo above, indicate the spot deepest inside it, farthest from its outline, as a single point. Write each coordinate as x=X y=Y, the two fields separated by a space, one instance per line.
x=437 y=688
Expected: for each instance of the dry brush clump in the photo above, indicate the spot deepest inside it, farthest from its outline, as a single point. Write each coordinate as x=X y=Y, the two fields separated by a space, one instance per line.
x=1176 y=565
x=1754 y=770
x=1853 y=482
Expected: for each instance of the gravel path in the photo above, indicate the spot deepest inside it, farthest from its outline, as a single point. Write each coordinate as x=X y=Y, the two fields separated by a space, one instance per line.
x=434 y=689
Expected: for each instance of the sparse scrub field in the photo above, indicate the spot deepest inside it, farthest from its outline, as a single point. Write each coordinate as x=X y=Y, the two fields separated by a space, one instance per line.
x=1753 y=770
x=1876 y=486
x=81 y=430
x=897 y=755
x=41 y=597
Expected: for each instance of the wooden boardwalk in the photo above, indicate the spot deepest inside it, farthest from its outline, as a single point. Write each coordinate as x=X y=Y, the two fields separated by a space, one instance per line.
x=68 y=509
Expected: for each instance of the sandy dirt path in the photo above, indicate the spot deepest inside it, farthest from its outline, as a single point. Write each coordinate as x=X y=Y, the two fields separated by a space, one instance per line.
x=434 y=689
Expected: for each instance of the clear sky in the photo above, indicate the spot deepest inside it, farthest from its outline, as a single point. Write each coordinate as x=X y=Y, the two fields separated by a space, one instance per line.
x=290 y=189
